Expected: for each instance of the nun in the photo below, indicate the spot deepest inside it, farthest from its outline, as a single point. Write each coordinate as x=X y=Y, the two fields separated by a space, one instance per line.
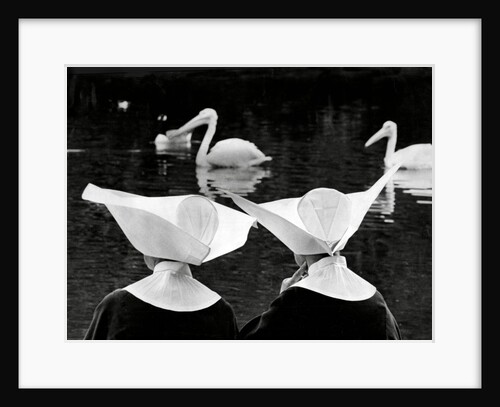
x=172 y=233
x=323 y=299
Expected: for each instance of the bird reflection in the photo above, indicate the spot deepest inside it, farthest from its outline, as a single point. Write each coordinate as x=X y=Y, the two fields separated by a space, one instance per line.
x=417 y=183
x=180 y=153
x=241 y=181
x=162 y=166
x=162 y=157
x=414 y=182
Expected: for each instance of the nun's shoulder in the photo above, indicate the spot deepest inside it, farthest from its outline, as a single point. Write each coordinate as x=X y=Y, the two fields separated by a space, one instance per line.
x=378 y=299
x=378 y=296
x=114 y=298
x=222 y=304
x=292 y=295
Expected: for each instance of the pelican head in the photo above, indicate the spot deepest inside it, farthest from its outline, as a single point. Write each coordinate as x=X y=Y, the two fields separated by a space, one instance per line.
x=206 y=116
x=389 y=130
x=208 y=112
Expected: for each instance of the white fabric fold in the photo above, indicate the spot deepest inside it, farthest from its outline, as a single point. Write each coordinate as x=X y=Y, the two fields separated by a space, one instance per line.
x=189 y=228
x=172 y=287
x=330 y=276
x=321 y=221
x=361 y=202
x=326 y=213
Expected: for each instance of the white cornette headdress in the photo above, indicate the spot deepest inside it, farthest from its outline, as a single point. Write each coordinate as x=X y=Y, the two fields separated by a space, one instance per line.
x=321 y=221
x=183 y=229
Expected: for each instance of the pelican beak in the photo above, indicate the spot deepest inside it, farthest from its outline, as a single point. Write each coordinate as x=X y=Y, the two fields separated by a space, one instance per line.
x=188 y=127
x=377 y=136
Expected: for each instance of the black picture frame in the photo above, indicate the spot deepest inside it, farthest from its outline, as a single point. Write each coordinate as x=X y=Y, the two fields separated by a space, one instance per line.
x=487 y=65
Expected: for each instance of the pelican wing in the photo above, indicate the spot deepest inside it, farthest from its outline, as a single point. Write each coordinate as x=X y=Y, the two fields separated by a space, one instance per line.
x=233 y=152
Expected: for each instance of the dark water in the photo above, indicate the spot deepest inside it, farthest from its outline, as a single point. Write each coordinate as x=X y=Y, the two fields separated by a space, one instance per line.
x=312 y=121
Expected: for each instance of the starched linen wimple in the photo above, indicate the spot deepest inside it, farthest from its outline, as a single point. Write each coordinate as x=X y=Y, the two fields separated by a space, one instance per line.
x=171 y=286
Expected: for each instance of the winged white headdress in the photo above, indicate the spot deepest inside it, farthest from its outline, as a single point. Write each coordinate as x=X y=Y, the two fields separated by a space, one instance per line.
x=321 y=221
x=187 y=229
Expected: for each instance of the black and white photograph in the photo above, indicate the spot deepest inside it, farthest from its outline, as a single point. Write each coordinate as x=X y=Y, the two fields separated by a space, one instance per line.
x=248 y=203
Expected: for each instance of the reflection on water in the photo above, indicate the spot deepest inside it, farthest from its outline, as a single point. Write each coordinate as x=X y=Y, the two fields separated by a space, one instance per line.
x=241 y=181
x=417 y=183
x=314 y=128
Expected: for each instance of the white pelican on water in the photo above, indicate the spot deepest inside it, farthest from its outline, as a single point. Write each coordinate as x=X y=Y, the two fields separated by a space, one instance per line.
x=231 y=152
x=163 y=142
x=416 y=156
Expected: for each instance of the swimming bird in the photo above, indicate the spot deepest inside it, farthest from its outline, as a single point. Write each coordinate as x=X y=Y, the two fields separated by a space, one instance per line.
x=163 y=142
x=416 y=156
x=231 y=152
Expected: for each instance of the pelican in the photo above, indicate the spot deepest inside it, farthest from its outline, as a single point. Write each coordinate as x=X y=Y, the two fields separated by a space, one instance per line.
x=232 y=152
x=416 y=156
x=163 y=142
